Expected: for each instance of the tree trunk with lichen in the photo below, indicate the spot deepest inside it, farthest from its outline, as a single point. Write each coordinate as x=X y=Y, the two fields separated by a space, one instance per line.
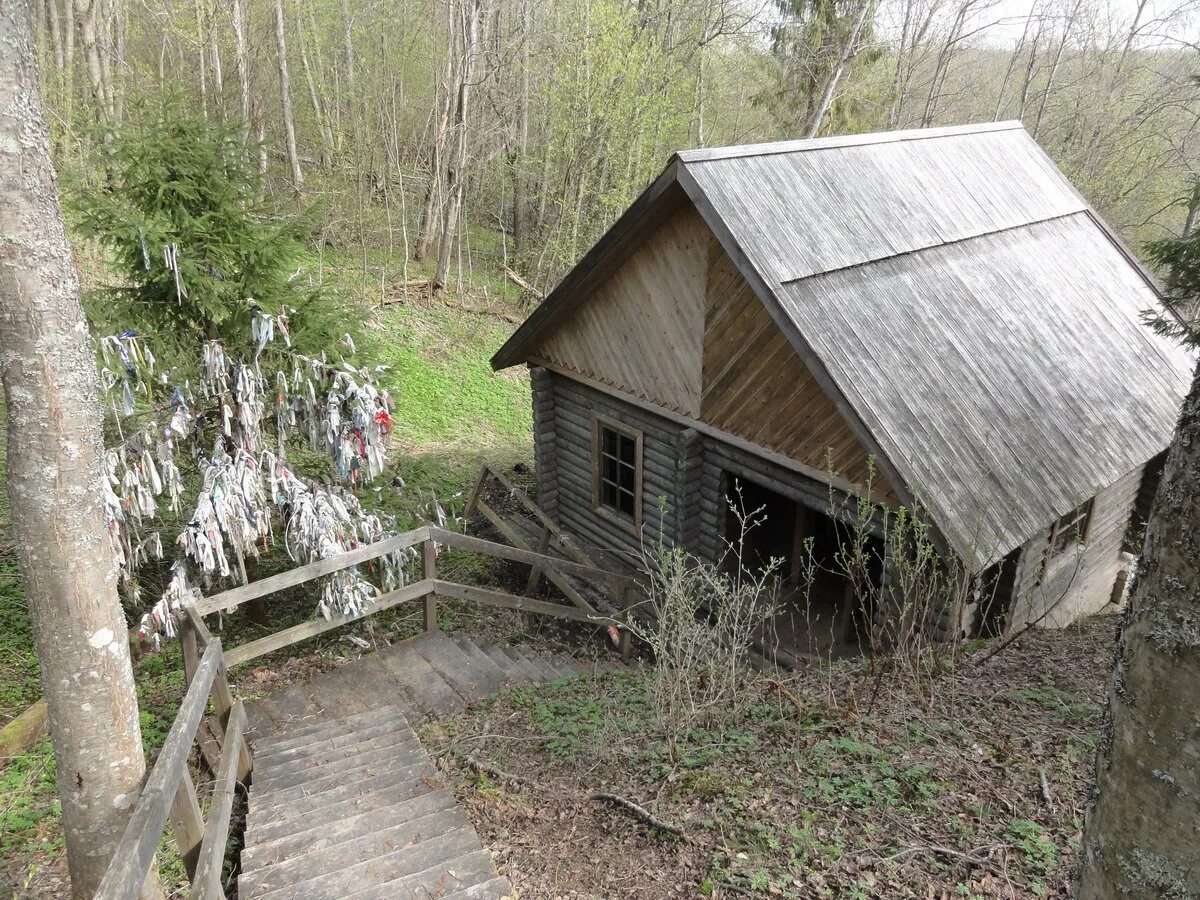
x=55 y=483
x=1141 y=837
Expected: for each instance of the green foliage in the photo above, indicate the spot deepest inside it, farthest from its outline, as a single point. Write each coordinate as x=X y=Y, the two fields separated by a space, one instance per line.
x=807 y=44
x=577 y=713
x=27 y=784
x=19 y=678
x=443 y=384
x=856 y=774
x=1179 y=260
x=1036 y=845
x=1067 y=706
x=181 y=185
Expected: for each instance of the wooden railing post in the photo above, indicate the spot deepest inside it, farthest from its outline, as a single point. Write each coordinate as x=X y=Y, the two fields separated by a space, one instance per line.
x=476 y=492
x=535 y=573
x=187 y=823
x=191 y=652
x=429 y=573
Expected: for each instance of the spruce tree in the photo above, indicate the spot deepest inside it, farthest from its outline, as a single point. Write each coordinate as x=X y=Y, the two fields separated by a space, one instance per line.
x=193 y=248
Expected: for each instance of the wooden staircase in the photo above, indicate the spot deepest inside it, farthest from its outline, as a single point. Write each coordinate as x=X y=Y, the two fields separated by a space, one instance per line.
x=345 y=802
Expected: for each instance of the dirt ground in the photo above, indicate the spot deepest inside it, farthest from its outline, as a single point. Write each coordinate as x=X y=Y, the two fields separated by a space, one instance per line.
x=972 y=786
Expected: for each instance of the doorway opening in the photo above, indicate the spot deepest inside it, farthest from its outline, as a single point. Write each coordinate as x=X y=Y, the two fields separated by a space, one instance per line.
x=821 y=612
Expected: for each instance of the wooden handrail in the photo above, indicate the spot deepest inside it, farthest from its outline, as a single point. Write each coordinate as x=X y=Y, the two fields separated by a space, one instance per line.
x=505 y=600
x=135 y=852
x=207 y=883
x=530 y=557
x=235 y=597
x=238 y=655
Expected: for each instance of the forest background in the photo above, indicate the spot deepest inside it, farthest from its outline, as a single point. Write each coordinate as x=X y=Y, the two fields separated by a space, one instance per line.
x=450 y=139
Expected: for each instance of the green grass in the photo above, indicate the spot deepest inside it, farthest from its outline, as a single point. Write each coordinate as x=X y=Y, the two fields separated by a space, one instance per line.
x=1066 y=706
x=443 y=385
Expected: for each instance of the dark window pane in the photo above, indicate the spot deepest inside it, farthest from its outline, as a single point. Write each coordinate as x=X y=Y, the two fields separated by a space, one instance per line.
x=625 y=477
x=628 y=450
x=609 y=441
x=626 y=503
x=609 y=469
x=608 y=494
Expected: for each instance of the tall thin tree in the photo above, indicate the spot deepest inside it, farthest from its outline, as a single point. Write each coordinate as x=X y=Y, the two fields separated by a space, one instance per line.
x=55 y=481
x=285 y=98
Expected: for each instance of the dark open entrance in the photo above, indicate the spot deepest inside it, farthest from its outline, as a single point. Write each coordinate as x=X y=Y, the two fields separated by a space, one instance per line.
x=821 y=612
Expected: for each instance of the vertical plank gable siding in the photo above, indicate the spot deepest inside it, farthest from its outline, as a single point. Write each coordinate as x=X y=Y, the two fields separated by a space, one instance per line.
x=642 y=329
x=1086 y=587
x=756 y=387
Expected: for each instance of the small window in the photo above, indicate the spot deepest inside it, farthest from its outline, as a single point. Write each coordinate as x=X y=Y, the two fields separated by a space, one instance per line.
x=617 y=479
x=1070 y=529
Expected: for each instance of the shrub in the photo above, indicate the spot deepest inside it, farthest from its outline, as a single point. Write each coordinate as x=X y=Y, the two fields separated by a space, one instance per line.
x=705 y=619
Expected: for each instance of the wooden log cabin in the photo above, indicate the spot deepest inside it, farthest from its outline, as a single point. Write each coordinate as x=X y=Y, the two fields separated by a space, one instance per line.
x=933 y=318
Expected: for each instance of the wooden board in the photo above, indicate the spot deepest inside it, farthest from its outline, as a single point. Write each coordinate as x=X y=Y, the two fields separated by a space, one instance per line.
x=641 y=329
x=758 y=388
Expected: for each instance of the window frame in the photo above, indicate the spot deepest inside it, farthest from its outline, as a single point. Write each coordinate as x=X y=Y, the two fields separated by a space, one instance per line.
x=1080 y=520
x=600 y=424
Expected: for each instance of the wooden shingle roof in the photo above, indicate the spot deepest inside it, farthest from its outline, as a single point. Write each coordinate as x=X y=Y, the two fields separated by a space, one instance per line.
x=962 y=303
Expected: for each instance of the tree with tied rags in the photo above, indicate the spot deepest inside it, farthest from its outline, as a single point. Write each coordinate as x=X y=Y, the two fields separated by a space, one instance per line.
x=182 y=223
x=1141 y=835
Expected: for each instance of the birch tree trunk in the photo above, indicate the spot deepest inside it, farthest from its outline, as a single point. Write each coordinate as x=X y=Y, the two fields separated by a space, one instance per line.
x=55 y=483
x=519 y=175
x=315 y=99
x=1139 y=837
x=85 y=12
x=470 y=16
x=54 y=27
x=285 y=98
x=202 y=68
x=243 y=64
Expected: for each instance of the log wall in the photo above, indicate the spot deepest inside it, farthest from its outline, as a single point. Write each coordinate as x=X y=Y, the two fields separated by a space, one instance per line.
x=1075 y=583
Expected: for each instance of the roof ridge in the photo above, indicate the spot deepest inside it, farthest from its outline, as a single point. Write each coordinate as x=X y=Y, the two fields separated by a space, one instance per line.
x=774 y=148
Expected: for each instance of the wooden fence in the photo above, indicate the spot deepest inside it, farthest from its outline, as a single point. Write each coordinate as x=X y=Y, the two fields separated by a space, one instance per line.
x=427 y=590
x=169 y=794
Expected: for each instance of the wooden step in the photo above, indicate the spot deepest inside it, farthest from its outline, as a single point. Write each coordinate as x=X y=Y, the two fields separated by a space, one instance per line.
x=379 y=763
x=354 y=688
x=466 y=675
x=532 y=673
x=288 y=707
x=447 y=877
x=356 y=867
x=380 y=839
x=496 y=889
x=517 y=674
x=329 y=730
x=499 y=677
x=340 y=762
x=339 y=822
x=541 y=665
x=272 y=817
x=427 y=688
x=295 y=737
x=285 y=760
